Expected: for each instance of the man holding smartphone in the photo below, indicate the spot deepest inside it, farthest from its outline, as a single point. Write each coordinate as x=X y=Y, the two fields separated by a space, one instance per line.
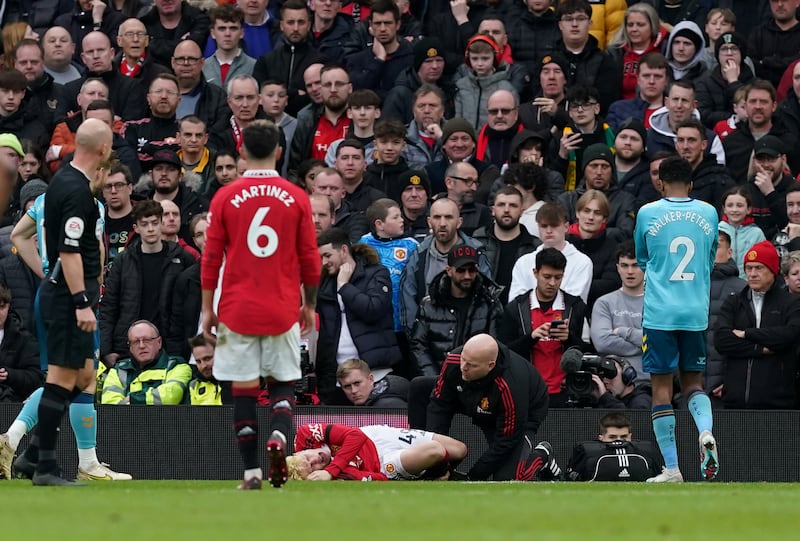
x=544 y=322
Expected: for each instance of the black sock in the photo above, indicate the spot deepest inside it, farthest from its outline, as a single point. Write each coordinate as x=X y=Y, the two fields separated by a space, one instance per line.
x=281 y=399
x=245 y=425
x=32 y=452
x=51 y=410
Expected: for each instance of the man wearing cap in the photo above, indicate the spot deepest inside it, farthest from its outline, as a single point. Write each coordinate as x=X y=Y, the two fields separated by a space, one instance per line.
x=599 y=174
x=631 y=164
x=428 y=67
x=532 y=33
x=11 y=154
x=757 y=335
x=414 y=193
x=160 y=129
x=167 y=176
x=461 y=302
x=15 y=116
x=330 y=29
x=548 y=108
x=458 y=145
x=685 y=51
x=760 y=105
x=716 y=89
x=652 y=81
x=769 y=184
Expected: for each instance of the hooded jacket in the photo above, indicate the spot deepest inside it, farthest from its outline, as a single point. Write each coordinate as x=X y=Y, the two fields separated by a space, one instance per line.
x=743 y=237
x=439 y=328
x=661 y=137
x=693 y=69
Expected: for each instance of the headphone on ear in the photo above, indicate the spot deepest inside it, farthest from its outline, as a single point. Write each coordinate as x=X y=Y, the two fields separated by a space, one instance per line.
x=487 y=40
x=629 y=373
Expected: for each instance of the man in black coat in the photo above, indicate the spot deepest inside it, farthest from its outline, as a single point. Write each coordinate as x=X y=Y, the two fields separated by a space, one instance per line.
x=505 y=397
x=19 y=355
x=169 y=22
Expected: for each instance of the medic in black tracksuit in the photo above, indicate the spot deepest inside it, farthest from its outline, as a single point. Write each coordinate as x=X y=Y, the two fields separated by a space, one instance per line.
x=508 y=405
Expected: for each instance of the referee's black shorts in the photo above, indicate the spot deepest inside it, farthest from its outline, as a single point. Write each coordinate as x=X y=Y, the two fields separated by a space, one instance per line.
x=67 y=345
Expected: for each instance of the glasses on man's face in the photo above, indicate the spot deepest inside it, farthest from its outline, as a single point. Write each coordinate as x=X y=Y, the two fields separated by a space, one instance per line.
x=581 y=105
x=142 y=341
x=729 y=49
x=571 y=20
x=114 y=187
x=470 y=182
x=186 y=60
x=500 y=111
x=137 y=35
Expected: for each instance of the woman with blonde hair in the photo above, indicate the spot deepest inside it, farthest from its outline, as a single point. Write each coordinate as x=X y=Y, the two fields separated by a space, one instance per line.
x=13 y=33
x=640 y=33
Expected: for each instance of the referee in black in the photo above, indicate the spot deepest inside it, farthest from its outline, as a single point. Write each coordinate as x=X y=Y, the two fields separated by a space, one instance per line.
x=69 y=294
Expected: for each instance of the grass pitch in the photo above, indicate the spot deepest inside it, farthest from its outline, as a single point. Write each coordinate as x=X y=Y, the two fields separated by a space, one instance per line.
x=192 y=510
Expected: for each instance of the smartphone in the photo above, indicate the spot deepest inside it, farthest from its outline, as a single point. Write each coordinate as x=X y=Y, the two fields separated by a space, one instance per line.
x=556 y=323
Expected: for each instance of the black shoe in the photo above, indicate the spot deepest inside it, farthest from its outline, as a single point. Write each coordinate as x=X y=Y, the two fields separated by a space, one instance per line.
x=276 y=450
x=53 y=480
x=23 y=468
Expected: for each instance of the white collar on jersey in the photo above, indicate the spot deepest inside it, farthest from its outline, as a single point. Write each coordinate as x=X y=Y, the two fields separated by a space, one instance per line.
x=260 y=173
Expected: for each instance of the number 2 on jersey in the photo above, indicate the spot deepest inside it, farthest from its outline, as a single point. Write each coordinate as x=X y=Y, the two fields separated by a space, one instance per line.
x=678 y=275
x=258 y=231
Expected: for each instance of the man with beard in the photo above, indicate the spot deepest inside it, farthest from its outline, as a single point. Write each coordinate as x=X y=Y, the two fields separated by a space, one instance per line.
x=132 y=60
x=506 y=240
x=204 y=389
x=760 y=105
x=461 y=180
x=117 y=190
x=351 y=164
x=316 y=132
x=165 y=172
x=289 y=61
x=769 y=185
x=323 y=212
x=197 y=97
x=709 y=179
x=431 y=257
x=243 y=101
x=773 y=44
x=157 y=131
x=494 y=139
x=424 y=132
x=461 y=303
x=126 y=94
x=633 y=174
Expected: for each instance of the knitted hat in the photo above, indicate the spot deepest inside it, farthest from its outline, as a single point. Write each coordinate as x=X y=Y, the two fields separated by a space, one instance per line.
x=597 y=151
x=427 y=48
x=413 y=178
x=558 y=59
x=458 y=124
x=731 y=38
x=31 y=190
x=765 y=253
x=636 y=125
x=691 y=32
x=11 y=141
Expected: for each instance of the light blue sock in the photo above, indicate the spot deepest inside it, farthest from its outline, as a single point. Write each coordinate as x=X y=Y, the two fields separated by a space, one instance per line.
x=700 y=408
x=664 y=427
x=29 y=414
x=83 y=418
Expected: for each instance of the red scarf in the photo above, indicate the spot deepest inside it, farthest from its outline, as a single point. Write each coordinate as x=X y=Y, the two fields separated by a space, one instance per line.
x=747 y=220
x=127 y=71
x=575 y=230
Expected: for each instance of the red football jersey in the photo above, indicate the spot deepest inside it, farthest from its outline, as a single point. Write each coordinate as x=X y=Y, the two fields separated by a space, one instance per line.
x=261 y=225
x=354 y=455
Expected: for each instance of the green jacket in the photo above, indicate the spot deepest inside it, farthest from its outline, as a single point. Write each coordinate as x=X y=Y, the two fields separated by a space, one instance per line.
x=163 y=381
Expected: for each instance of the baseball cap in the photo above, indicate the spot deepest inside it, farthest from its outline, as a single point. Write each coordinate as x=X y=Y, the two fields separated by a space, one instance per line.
x=769 y=145
x=11 y=141
x=165 y=156
x=461 y=255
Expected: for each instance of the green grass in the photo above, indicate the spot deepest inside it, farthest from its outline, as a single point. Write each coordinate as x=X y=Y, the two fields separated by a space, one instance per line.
x=201 y=510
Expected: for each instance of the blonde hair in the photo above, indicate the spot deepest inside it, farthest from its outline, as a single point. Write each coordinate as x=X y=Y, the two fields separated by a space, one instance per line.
x=621 y=38
x=13 y=33
x=788 y=261
x=297 y=468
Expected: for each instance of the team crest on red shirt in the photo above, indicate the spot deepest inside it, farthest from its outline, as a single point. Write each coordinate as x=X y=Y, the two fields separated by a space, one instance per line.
x=400 y=254
x=390 y=468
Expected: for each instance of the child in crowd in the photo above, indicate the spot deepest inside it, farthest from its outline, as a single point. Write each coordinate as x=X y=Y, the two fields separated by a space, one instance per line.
x=739 y=224
x=363 y=109
x=389 y=165
x=724 y=128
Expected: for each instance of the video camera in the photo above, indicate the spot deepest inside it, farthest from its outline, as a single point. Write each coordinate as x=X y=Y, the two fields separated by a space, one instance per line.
x=579 y=368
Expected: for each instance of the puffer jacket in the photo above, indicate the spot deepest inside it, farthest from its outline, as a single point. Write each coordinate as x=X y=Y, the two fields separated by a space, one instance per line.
x=531 y=37
x=437 y=329
x=607 y=17
x=122 y=297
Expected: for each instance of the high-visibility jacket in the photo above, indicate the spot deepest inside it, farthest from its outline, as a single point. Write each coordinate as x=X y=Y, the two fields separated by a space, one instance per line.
x=163 y=381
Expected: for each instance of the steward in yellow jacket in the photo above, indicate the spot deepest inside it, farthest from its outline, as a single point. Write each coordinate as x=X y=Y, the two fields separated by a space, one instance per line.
x=161 y=381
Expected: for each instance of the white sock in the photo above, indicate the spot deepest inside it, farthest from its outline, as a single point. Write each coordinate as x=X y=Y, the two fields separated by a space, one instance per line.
x=255 y=472
x=15 y=433
x=87 y=458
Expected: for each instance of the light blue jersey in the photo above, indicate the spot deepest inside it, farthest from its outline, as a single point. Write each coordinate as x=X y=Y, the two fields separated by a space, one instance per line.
x=393 y=254
x=676 y=242
x=36 y=213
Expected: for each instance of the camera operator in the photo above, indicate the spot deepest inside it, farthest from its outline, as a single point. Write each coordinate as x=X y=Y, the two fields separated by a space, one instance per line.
x=602 y=460
x=621 y=391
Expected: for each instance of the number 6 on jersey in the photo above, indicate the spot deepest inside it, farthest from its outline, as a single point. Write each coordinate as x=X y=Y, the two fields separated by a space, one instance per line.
x=257 y=230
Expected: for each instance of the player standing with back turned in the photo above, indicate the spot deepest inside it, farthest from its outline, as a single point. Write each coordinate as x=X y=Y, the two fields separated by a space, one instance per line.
x=261 y=224
x=676 y=241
